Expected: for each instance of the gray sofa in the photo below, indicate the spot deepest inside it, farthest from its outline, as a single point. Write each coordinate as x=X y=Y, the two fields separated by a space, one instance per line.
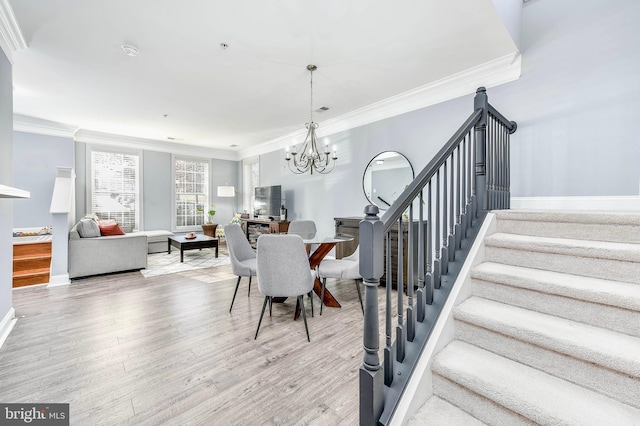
x=102 y=255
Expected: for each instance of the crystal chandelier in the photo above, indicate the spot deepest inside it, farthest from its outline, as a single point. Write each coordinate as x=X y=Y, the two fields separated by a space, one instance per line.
x=308 y=158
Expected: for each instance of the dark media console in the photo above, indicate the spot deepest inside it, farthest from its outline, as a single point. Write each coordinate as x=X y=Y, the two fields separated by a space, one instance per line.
x=253 y=228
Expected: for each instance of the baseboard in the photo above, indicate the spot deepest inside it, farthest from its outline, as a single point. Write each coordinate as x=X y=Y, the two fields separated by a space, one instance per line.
x=419 y=387
x=6 y=325
x=58 y=280
x=609 y=203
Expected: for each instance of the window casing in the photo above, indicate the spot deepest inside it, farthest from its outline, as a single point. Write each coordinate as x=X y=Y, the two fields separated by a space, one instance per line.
x=114 y=189
x=191 y=192
x=250 y=180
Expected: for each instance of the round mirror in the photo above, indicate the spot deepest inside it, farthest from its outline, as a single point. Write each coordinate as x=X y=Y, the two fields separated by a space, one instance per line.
x=385 y=177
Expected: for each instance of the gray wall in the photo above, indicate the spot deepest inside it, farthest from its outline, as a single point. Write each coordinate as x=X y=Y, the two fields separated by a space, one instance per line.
x=6 y=175
x=576 y=104
x=156 y=190
x=577 y=101
x=36 y=158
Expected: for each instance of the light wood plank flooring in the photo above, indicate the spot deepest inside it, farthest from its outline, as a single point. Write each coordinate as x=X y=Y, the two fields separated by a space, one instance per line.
x=122 y=349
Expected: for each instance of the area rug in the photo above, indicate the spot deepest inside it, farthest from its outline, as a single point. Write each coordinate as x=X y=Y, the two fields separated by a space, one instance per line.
x=165 y=263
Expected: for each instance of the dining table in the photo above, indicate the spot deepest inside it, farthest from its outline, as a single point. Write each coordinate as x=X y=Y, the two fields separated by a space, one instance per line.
x=319 y=245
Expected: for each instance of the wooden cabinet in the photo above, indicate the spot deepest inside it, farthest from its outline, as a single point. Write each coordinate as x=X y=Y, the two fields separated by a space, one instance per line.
x=351 y=225
x=253 y=228
x=31 y=263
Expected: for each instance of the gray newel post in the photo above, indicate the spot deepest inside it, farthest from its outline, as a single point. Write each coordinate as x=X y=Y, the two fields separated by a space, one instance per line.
x=481 y=102
x=371 y=269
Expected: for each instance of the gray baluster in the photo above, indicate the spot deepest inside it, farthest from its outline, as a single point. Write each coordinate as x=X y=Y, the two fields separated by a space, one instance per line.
x=400 y=336
x=444 y=257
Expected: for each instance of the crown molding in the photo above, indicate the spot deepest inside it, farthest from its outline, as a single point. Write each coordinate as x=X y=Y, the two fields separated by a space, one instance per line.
x=27 y=124
x=11 y=39
x=490 y=74
x=108 y=139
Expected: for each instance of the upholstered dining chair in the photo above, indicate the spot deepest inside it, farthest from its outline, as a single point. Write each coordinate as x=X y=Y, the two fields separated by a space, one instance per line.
x=304 y=228
x=242 y=256
x=347 y=268
x=283 y=271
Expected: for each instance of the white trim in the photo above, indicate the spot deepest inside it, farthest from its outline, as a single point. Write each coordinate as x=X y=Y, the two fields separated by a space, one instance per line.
x=27 y=124
x=90 y=137
x=419 y=387
x=11 y=39
x=490 y=74
x=6 y=325
x=10 y=192
x=602 y=203
x=59 y=280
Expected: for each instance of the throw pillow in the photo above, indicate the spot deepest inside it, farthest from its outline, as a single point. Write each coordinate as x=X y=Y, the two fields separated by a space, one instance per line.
x=110 y=230
x=88 y=228
x=106 y=222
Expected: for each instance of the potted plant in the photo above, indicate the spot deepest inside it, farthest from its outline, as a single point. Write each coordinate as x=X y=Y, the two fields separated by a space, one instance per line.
x=211 y=213
x=210 y=228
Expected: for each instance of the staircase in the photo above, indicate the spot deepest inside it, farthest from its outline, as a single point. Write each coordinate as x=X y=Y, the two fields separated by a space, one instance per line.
x=551 y=332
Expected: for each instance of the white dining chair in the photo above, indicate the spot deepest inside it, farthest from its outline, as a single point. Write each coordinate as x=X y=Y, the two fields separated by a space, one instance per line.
x=347 y=268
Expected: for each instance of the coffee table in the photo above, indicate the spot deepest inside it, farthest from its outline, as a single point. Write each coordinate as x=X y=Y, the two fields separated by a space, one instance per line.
x=199 y=242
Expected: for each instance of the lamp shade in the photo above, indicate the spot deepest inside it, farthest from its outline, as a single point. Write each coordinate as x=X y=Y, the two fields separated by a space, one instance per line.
x=226 y=191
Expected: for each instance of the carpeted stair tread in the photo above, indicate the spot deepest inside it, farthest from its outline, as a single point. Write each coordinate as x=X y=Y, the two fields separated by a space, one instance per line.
x=631 y=218
x=438 y=412
x=625 y=252
x=596 y=290
x=531 y=393
x=609 y=349
x=599 y=226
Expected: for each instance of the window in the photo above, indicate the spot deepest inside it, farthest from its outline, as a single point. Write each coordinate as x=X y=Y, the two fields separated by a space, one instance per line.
x=115 y=187
x=191 y=192
x=251 y=179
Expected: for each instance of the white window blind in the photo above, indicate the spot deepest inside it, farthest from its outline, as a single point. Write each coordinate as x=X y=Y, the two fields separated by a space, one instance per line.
x=115 y=189
x=191 y=192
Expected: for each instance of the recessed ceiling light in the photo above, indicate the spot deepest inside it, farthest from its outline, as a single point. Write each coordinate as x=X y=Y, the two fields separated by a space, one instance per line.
x=233 y=145
x=130 y=50
x=323 y=109
x=171 y=138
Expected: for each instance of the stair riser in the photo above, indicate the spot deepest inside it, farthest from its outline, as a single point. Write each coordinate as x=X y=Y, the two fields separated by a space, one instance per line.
x=592 y=376
x=608 y=269
x=20 y=265
x=605 y=316
x=579 y=231
x=30 y=280
x=478 y=406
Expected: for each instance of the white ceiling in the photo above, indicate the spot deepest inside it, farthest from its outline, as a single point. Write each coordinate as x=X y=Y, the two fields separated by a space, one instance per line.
x=73 y=70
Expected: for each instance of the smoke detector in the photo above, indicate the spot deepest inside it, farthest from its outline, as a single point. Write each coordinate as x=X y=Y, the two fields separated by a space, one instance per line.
x=130 y=50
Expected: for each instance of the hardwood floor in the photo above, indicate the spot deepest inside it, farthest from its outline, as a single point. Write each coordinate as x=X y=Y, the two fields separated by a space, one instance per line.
x=122 y=349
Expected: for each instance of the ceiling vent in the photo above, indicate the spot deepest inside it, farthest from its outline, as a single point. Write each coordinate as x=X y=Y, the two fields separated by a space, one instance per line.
x=323 y=109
